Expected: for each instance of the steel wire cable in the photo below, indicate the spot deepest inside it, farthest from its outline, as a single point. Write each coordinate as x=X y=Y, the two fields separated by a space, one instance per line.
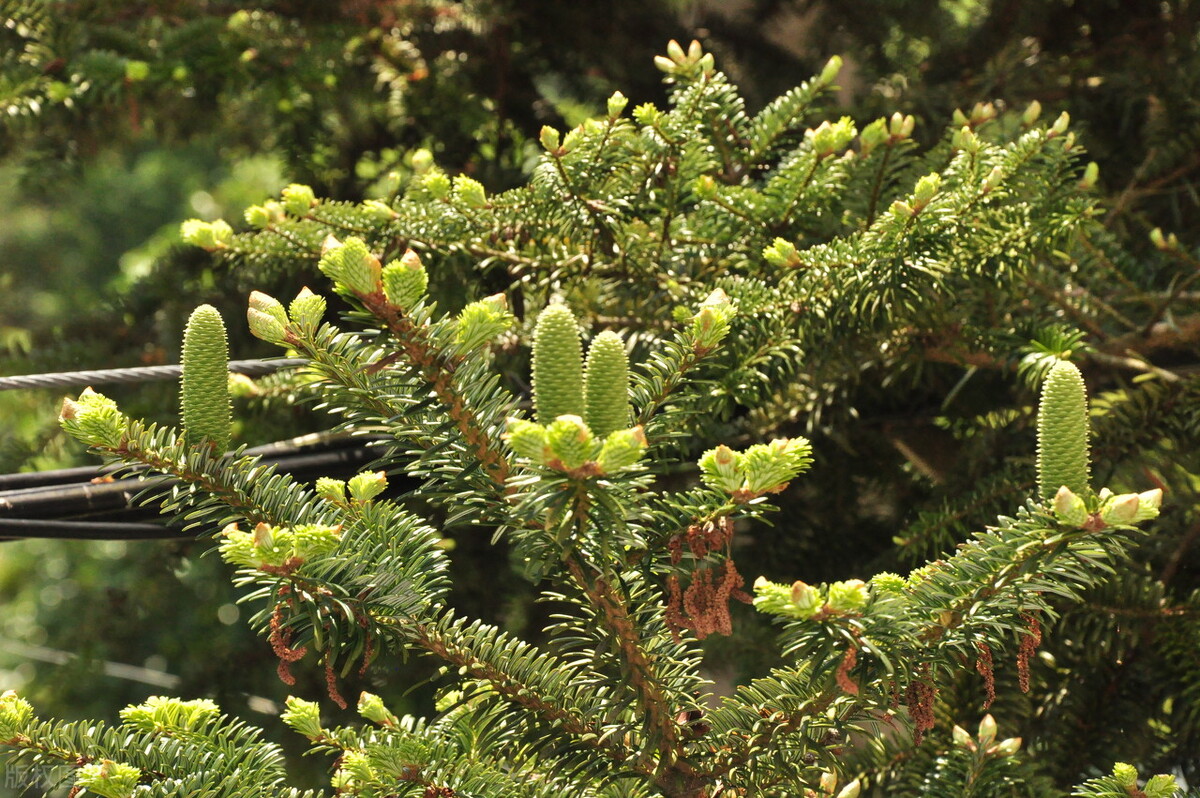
x=66 y=379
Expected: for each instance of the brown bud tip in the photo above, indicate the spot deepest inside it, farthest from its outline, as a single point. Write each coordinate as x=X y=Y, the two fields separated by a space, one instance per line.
x=262 y=534
x=329 y=243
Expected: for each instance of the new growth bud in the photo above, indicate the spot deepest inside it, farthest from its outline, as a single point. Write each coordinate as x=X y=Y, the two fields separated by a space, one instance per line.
x=1060 y=125
x=1120 y=510
x=549 y=137
x=621 y=449
x=1007 y=746
x=274 y=547
x=720 y=468
x=436 y=184
x=528 y=440
x=1148 y=503
x=351 y=266
x=646 y=113
x=206 y=235
x=405 y=281
x=372 y=708
x=616 y=104
x=710 y=325
x=901 y=126
x=763 y=468
x=872 y=136
x=480 y=322
x=303 y=717
x=136 y=71
x=993 y=179
x=828 y=139
x=267 y=318
x=367 y=485
x=885 y=583
x=1125 y=775
x=830 y=72
x=1090 y=174
x=1164 y=243
x=782 y=253
x=470 y=192
x=422 y=161
x=15 y=716
x=307 y=310
x=987 y=730
x=94 y=419
x=693 y=63
x=171 y=715
x=965 y=139
x=1161 y=786
x=331 y=490
x=1127 y=509
x=380 y=210
x=927 y=188
x=571 y=442
x=1031 y=114
x=265 y=215
x=108 y=779
x=1070 y=508
x=851 y=790
x=850 y=596
x=298 y=199
x=768 y=468
x=798 y=600
x=705 y=187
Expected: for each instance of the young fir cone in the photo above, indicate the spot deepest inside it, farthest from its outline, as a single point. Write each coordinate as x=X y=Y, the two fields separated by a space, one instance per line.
x=606 y=385
x=557 y=365
x=1062 y=427
x=204 y=391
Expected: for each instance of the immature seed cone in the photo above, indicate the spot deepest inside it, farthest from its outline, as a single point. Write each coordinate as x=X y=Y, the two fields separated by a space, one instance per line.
x=606 y=385
x=204 y=392
x=1063 y=432
x=557 y=365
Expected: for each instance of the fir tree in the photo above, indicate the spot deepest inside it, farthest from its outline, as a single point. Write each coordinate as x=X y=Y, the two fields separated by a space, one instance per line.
x=764 y=268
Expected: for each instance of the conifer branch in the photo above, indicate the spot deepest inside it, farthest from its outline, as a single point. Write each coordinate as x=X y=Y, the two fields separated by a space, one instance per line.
x=437 y=368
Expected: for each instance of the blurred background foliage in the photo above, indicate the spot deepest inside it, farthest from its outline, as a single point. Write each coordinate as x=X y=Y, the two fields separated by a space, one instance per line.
x=119 y=120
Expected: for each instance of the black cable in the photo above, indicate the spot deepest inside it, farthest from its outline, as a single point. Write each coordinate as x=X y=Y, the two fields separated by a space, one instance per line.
x=26 y=528
x=68 y=379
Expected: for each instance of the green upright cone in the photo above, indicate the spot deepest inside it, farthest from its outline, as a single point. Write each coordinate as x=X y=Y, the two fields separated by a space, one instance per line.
x=204 y=392
x=606 y=385
x=1062 y=427
x=557 y=365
